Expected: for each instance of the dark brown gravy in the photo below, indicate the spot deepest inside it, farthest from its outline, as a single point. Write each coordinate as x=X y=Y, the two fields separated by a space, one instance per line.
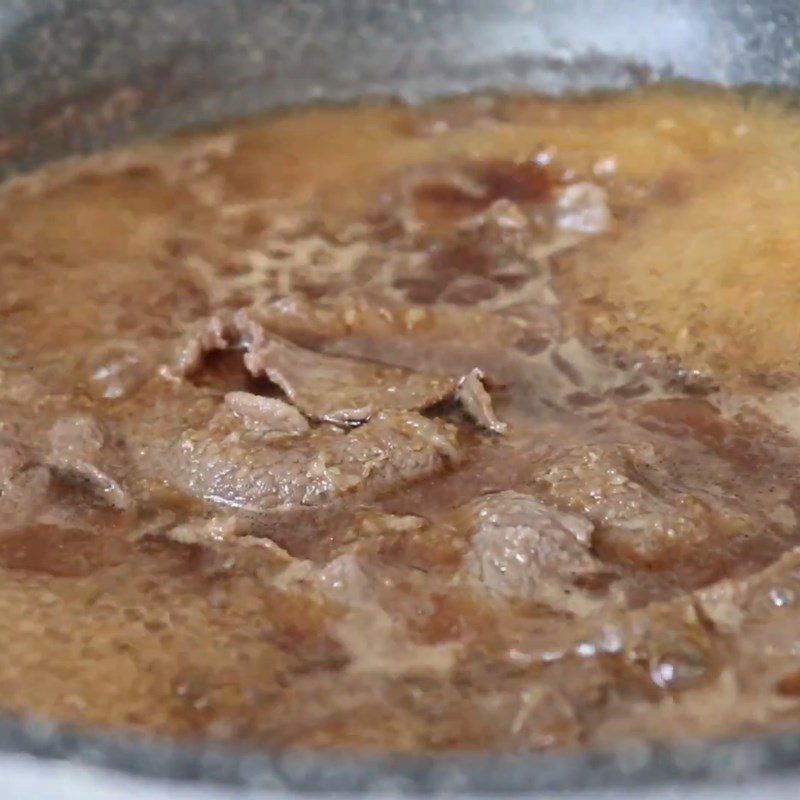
x=370 y=545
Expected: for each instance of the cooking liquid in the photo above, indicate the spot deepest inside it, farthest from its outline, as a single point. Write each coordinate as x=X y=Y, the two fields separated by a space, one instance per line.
x=624 y=270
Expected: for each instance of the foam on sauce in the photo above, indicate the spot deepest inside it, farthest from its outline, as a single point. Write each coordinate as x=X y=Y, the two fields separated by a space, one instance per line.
x=599 y=542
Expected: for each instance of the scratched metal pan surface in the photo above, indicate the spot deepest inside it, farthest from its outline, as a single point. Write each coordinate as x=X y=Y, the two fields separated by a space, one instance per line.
x=78 y=75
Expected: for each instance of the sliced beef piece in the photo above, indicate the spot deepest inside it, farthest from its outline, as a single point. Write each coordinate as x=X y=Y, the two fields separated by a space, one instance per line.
x=643 y=513
x=583 y=208
x=267 y=414
x=439 y=195
x=375 y=639
x=502 y=214
x=116 y=369
x=342 y=390
x=438 y=339
x=222 y=464
x=517 y=349
x=345 y=579
x=728 y=603
x=14 y=458
x=331 y=388
x=525 y=550
x=24 y=484
x=378 y=644
x=477 y=403
x=216 y=333
x=338 y=324
x=82 y=451
x=224 y=538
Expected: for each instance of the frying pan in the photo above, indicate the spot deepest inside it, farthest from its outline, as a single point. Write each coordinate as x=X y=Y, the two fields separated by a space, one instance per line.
x=77 y=75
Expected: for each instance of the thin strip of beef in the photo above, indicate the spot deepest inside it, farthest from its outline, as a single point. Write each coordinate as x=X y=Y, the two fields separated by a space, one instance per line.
x=342 y=390
x=524 y=550
x=476 y=401
x=82 y=452
x=332 y=388
x=226 y=465
x=442 y=339
x=644 y=512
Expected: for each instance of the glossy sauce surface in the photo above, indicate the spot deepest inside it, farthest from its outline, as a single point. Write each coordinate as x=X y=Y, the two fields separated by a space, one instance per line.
x=409 y=429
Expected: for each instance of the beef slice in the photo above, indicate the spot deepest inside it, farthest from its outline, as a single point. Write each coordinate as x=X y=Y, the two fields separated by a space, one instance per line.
x=82 y=451
x=225 y=465
x=524 y=550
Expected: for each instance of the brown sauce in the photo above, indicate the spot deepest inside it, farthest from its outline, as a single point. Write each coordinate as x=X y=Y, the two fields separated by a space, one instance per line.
x=406 y=429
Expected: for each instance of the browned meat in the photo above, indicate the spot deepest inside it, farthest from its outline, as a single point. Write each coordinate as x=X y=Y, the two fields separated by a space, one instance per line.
x=13 y=459
x=216 y=333
x=342 y=390
x=82 y=452
x=437 y=340
x=319 y=550
x=525 y=550
x=267 y=414
x=477 y=403
x=24 y=483
x=205 y=531
x=399 y=333
x=231 y=467
x=642 y=511
x=376 y=642
x=583 y=208
x=439 y=195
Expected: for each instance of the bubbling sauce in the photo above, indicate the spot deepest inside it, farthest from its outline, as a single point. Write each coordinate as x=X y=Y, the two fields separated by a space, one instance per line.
x=465 y=426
